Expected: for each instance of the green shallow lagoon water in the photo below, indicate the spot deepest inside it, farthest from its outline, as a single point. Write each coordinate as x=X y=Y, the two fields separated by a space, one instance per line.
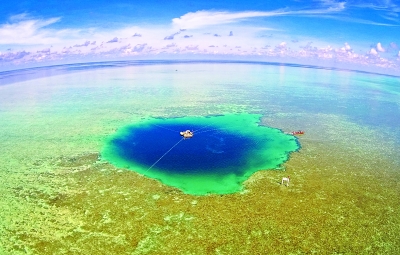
x=223 y=153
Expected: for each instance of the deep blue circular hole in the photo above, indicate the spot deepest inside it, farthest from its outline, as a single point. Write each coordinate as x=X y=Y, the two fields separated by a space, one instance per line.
x=211 y=149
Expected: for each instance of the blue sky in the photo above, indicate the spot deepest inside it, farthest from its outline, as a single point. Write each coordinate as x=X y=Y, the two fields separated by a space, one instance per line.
x=45 y=32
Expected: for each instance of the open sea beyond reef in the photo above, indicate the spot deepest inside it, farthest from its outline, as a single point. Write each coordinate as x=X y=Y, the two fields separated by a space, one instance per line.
x=61 y=194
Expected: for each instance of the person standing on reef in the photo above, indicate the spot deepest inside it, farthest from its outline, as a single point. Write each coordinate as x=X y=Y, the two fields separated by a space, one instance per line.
x=285 y=179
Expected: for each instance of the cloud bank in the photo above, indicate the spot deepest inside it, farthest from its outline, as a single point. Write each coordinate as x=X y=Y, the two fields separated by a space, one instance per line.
x=195 y=33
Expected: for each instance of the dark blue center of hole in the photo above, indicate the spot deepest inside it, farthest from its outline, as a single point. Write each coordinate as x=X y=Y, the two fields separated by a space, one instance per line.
x=210 y=149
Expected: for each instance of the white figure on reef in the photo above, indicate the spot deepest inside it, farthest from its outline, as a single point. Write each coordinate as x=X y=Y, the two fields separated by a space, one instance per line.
x=285 y=179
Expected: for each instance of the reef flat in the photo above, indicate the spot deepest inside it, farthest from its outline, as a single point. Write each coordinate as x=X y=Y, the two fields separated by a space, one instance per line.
x=58 y=195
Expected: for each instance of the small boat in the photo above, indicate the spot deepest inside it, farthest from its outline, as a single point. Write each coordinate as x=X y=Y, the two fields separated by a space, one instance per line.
x=186 y=134
x=299 y=132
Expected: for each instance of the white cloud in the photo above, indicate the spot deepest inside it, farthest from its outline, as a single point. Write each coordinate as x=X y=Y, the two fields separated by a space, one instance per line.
x=343 y=18
x=333 y=5
x=170 y=45
x=373 y=52
x=10 y=56
x=170 y=37
x=379 y=47
x=27 y=31
x=193 y=20
x=196 y=47
x=45 y=51
x=139 y=47
x=23 y=30
x=19 y=17
x=115 y=39
x=86 y=43
x=347 y=46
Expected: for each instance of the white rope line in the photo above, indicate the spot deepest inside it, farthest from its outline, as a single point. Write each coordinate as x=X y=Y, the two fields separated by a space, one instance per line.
x=165 y=128
x=202 y=128
x=164 y=154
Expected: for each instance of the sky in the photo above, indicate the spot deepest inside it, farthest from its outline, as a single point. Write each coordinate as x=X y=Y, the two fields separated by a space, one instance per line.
x=360 y=33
